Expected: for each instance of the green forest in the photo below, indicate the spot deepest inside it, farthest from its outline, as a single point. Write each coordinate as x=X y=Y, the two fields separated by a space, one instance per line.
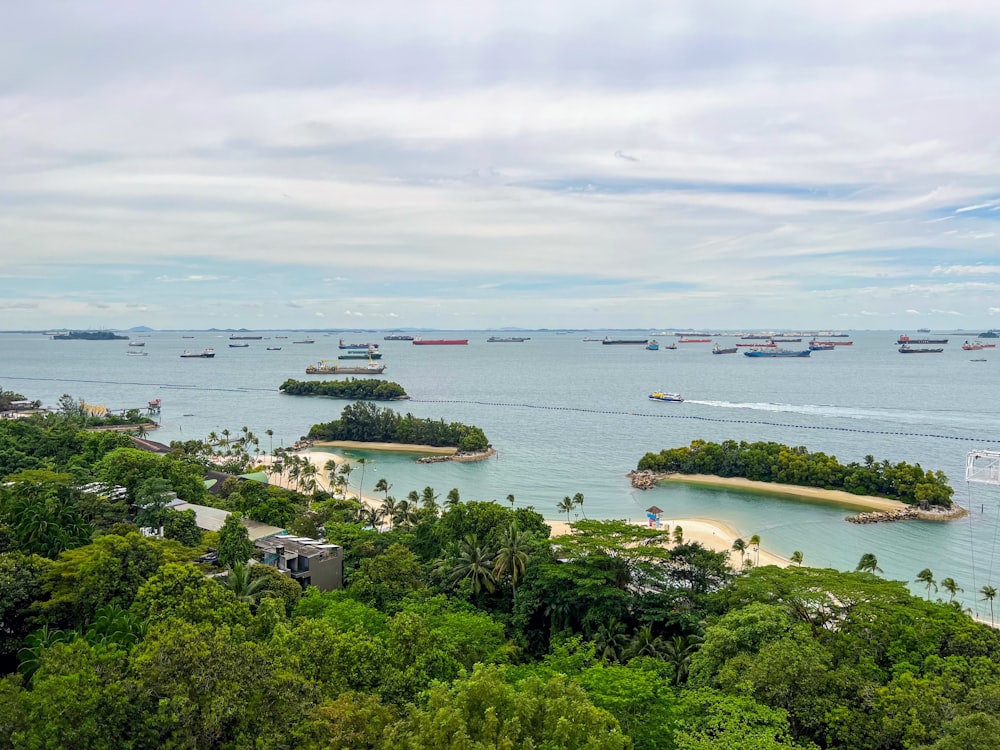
x=774 y=462
x=462 y=624
x=355 y=389
x=372 y=424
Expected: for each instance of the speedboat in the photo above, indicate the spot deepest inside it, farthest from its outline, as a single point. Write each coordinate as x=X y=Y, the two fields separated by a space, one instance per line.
x=661 y=396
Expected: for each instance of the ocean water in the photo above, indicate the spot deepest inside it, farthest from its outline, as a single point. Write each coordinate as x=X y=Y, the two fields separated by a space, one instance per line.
x=570 y=416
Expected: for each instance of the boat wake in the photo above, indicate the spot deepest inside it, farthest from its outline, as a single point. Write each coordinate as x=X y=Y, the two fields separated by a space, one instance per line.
x=821 y=410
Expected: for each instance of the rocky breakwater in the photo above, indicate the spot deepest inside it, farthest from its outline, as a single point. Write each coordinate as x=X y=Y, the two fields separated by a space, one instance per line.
x=885 y=516
x=460 y=456
x=644 y=480
x=911 y=514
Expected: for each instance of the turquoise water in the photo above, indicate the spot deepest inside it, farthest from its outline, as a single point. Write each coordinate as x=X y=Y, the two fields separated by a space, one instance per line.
x=596 y=421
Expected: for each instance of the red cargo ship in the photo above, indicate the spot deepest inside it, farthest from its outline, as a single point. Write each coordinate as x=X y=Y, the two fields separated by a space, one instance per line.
x=440 y=342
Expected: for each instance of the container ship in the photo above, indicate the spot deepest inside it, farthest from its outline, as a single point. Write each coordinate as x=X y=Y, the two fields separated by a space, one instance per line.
x=440 y=342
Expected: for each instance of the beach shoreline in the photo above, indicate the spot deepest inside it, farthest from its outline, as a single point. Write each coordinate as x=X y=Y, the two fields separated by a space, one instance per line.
x=710 y=534
x=814 y=494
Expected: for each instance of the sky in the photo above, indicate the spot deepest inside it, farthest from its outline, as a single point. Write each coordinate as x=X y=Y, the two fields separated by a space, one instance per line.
x=459 y=165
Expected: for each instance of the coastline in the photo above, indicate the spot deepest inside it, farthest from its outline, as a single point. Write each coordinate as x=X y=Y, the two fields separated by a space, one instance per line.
x=395 y=447
x=815 y=494
x=713 y=535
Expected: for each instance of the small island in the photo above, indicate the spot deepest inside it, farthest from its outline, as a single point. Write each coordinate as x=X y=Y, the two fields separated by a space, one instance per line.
x=896 y=491
x=353 y=389
x=369 y=425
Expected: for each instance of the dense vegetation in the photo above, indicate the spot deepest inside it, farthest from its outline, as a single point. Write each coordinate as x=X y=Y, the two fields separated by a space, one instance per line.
x=462 y=626
x=355 y=389
x=774 y=462
x=368 y=423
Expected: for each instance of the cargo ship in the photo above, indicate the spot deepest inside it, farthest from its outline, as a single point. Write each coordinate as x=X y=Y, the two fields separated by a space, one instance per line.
x=88 y=336
x=908 y=340
x=342 y=345
x=441 y=342
x=508 y=340
x=609 y=342
x=694 y=341
x=361 y=354
x=777 y=353
x=207 y=354
x=821 y=347
x=815 y=342
x=234 y=337
x=397 y=337
x=327 y=367
x=907 y=349
x=724 y=349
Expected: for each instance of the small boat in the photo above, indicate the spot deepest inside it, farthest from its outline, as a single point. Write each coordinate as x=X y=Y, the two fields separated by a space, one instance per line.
x=609 y=342
x=724 y=349
x=136 y=343
x=694 y=341
x=397 y=337
x=821 y=347
x=669 y=346
x=304 y=341
x=777 y=353
x=207 y=354
x=653 y=345
x=907 y=349
x=923 y=330
x=327 y=367
x=187 y=337
x=135 y=353
x=281 y=337
x=274 y=348
x=977 y=360
x=661 y=396
x=342 y=345
x=508 y=340
x=440 y=342
x=238 y=346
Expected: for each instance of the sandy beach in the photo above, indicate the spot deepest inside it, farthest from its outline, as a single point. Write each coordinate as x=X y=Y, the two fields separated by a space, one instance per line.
x=816 y=494
x=397 y=447
x=713 y=535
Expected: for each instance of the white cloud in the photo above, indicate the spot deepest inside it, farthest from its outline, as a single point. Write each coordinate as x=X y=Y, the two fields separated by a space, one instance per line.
x=977 y=270
x=913 y=312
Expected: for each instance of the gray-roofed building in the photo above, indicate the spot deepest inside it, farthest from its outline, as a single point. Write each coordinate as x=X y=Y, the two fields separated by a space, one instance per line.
x=308 y=561
x=211 y=519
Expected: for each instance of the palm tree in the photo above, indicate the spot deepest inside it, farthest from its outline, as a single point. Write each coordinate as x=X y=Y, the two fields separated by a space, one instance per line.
x=565 y=506
x=452 y=498
x=239 y=581
x=927 y=577
x=429 y=500
x=644 y=643
x=345 y=471
x=226 y=433
x=373 y=517
x=868 y=564
x=678 y=535
x=796 y=558
x=389 y=508
x=578 y=500
x=678 y=652
x=383 y=486
x=949 y=585
x=510 y=499
x=512 y=557
x=611 y=640
x=755 y=543
x=474 y=562
x=364 y=462
x=989 y=594
x=141 y=431
x=405 y=514
x=740 y=546
x=270 y=435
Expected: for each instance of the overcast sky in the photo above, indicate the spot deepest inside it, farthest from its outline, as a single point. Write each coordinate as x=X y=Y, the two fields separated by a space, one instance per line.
x=470 y=165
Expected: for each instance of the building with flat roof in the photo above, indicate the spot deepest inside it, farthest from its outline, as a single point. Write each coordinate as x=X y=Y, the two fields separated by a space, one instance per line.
x=308 y=561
